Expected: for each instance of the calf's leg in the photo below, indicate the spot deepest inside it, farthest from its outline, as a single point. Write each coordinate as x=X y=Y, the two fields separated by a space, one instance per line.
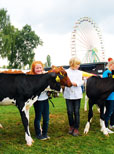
x=85 y=105
x=25 y=120
x=102 y=120
x=90 y=115
x=104 y=129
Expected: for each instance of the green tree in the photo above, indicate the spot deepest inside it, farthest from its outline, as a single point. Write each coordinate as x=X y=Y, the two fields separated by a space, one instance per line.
x=23 y=54
x=48 y=61
x=5 y=30
x=17 y=45
x=4 y=19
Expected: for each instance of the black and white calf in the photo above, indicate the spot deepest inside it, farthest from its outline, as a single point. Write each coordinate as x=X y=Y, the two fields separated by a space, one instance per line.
x=97 y=90
x=24 y=90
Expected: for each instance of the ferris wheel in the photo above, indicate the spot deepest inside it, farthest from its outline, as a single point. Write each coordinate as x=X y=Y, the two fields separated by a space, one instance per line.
x=87 y=42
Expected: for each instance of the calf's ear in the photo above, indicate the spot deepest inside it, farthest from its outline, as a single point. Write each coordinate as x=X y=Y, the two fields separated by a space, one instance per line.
x=59 y=77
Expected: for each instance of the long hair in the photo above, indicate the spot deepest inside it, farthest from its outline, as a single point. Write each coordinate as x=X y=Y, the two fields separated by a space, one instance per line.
x=33 y=66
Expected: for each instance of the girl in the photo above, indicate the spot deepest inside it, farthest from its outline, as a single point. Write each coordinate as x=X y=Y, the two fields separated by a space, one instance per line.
x=41 y=106
x=73 y=96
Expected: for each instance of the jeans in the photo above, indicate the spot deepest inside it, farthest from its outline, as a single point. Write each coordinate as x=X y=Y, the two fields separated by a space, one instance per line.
x=73 y=112
x=109 y=111
x=41 y=109
x=112 y=119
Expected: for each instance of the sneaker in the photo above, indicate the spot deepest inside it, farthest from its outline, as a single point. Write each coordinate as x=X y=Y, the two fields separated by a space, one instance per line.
x=75 y=132
x=43 y=137
x=46 y=136
x=111 y=127
x=39 y=137
x=71 y=129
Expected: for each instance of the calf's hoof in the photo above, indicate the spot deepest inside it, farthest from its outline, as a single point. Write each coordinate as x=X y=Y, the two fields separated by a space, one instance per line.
x=85 y=130
x=1 y=126
x=29 y=144
x=107 y=135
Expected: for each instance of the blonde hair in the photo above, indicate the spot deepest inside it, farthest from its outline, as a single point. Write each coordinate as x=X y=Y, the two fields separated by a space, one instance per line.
x=33 y=66
x=74 y=61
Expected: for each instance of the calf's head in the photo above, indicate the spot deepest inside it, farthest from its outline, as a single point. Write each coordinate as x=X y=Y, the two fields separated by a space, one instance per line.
x=62 y=76
x=54 y=82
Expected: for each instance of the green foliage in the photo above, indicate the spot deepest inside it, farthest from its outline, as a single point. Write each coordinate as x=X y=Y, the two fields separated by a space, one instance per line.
x=22 y=53
x=5 y=31
x=48 y=62
x=12 y=138
x=4 y=19
x=17 y=45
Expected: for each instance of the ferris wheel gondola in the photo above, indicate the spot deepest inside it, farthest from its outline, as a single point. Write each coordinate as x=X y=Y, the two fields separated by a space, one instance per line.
x=87 y=42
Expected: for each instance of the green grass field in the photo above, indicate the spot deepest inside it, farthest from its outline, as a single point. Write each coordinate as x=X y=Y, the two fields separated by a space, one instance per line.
x=12 y=136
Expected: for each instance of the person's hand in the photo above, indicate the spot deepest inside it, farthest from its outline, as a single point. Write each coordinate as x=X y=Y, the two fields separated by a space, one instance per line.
x=74 y=84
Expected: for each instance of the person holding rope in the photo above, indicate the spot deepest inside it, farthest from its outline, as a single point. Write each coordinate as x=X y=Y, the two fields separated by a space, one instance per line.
x=73 y=96
x=41 y=106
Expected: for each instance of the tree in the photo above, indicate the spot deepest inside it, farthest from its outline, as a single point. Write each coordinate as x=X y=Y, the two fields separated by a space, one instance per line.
x=4 y=19
x=22 y=54
x=5 y=30
x=48 y=62
x=17 y=45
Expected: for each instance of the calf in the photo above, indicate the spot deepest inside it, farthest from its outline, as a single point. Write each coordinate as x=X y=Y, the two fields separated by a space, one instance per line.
x=97 y=90
x=24 y=90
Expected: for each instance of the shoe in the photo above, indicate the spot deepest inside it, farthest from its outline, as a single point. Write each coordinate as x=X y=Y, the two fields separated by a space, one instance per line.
x=39 y=137
x=43 y=137
x=75 y=132
x=46 y=136
x=111 y=127
x=71 y=129
x=109 y=131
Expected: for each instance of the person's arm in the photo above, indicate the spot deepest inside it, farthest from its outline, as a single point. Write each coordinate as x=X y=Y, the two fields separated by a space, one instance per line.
x=105 y=74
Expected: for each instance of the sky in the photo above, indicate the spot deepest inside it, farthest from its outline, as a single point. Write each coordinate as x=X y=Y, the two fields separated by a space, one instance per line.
x=53 y=22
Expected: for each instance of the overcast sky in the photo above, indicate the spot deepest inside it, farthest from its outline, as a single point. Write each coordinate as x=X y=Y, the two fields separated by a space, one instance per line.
x=53 y=21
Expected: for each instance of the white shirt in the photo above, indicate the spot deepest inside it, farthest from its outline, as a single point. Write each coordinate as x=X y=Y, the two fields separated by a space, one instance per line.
x=43 y=96
x=74 y=92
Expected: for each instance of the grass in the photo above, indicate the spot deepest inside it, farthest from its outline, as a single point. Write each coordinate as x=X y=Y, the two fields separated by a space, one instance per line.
x=12 y=139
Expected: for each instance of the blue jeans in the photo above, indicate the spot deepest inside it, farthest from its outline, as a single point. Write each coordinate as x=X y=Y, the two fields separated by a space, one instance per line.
x=112 y=119
x=73 y=112
x=109 y=111
x=41 y=109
